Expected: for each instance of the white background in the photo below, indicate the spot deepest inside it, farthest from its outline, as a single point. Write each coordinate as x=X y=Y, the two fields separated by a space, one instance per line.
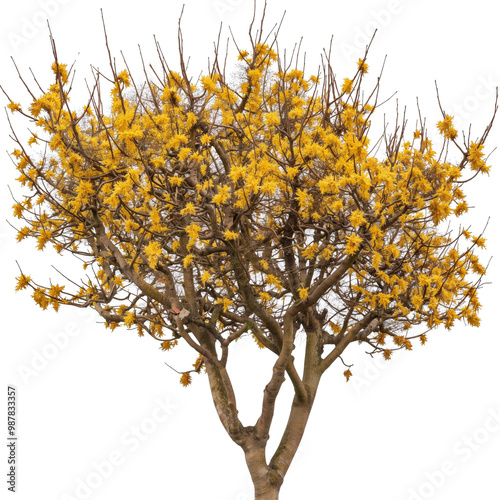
x=386 y=433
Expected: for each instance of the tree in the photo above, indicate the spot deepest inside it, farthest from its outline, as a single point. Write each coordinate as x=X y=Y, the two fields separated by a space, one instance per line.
x=208 y=211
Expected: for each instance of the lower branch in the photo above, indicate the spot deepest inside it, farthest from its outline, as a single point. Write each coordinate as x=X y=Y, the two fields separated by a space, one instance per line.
x=367 y=322
x=225 y=402
x=292 y=436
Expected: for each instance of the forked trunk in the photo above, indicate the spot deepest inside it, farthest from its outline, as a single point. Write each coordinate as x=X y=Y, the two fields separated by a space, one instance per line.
x=265 y=485
x=268 y=479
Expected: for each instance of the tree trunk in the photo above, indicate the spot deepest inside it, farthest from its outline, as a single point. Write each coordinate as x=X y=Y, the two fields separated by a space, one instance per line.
x=270 y=493
x=266 y=484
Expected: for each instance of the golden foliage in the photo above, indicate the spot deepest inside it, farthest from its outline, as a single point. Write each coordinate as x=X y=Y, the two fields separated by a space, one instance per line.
x=185 y=379
x=200 y=206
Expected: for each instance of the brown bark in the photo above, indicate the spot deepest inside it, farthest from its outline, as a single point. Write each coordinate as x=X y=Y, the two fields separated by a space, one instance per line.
x=269 y=493
x=294 y=431
x=225 y=403
x=264 y=483
x=269 y=478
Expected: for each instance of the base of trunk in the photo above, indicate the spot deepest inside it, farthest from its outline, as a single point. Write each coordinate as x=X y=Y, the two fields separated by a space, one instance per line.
x=268 y=494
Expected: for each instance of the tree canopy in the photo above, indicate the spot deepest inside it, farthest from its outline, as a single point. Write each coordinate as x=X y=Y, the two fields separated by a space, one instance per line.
x=206 y=211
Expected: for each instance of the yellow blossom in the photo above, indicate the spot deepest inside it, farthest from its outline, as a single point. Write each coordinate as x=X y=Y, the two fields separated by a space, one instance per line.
x=446 y=128
x=185 y=379
x=153 y=253
x=352 y=245
x=363 y=66
x=357 y=218
x=22 y=282
x=188 y=259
